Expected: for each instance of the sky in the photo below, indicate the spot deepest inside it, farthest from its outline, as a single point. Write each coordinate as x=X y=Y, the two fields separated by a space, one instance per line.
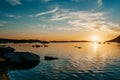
x=59 y=19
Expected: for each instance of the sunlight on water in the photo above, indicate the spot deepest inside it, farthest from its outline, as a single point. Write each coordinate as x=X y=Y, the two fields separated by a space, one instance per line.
x=95 y=46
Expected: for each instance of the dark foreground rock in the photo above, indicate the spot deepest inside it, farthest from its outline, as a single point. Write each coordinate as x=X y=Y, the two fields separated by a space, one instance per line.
x=3 y=70
x=23 y=66
x=21 y=58
x=50 y=58
x=10 y=60
x=6 y=49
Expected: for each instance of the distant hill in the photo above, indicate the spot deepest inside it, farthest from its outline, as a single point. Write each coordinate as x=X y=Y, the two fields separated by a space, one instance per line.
x=117 y=39
x=2 y=40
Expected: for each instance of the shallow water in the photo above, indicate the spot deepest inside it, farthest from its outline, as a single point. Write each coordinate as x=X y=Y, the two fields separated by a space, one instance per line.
x=91 y=62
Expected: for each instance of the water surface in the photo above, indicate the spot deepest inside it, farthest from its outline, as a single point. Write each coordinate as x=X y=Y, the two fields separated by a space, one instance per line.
x=91 y=62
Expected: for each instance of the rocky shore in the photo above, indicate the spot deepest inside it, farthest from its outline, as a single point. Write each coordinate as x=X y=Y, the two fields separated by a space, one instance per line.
x=10 y=60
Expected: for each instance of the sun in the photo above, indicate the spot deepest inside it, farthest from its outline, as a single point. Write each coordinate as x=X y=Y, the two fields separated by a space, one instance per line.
x=95 y=38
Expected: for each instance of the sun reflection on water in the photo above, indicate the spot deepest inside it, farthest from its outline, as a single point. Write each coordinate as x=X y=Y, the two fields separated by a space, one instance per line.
x=95 y=46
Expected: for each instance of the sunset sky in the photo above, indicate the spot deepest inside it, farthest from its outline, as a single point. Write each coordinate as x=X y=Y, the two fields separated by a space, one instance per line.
x=59 y=19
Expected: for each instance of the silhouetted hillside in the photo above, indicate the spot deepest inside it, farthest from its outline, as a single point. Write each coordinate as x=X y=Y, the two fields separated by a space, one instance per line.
x=117 y=39
x=68 y=41
x=2 y=40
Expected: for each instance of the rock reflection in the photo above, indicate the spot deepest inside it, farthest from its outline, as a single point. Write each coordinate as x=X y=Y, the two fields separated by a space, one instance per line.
x=5 y=68
x=23 y=66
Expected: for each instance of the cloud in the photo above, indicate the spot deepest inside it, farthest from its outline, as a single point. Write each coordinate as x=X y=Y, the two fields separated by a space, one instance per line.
x=113 y=26
x=77 y=0
x=12 y=16
x=100 y=2
x=85 y=20
x=59 y=17
x=69 y=28
x=47 y=0
x=14 y=2
x=48 y=12
x=2 y=23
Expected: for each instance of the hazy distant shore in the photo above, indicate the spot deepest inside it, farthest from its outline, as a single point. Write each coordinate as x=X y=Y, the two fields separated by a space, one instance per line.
x=4 y=40
x=35 y=41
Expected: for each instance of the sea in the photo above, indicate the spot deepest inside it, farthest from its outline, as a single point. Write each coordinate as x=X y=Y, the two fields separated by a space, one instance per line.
x=76 y=61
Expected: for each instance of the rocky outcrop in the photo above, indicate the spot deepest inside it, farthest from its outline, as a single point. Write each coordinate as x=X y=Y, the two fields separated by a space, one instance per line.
x=45 y=45
x=6 y=49
x=50 y=58
x=78 y=47
x=21 y=58
x=117 y=39
x=36 y=46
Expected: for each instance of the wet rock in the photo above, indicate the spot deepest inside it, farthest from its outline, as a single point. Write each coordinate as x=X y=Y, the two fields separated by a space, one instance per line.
x=37 y=46
x=45 y=45
x=50 y=58
x=6 y=49
x=21 y=58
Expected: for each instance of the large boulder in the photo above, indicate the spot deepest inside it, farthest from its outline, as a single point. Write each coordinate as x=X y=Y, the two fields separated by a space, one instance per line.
x=20 y=58
x=6 y=49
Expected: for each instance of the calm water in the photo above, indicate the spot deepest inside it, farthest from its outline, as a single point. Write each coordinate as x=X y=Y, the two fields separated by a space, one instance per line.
x=91 y=62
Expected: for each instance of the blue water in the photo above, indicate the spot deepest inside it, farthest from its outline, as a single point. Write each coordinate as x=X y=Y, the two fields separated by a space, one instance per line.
x=91 y=62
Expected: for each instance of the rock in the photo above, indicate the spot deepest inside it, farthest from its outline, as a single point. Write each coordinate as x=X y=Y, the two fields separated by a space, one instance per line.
x=6 y=49
x=22 y=58
x=78 y=47
x=50 y=58
x=104 y=42
x=45 y=45
x=37 y=46
x=99 y=43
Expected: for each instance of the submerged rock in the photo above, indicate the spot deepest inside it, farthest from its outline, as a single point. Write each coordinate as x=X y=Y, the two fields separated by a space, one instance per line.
x=21 y=58
x=6 y=49
x=50 y=58
x=78 y=47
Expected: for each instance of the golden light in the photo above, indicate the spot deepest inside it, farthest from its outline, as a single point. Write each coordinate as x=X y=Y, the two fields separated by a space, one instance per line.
x=95 y=46
x=95 y=38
